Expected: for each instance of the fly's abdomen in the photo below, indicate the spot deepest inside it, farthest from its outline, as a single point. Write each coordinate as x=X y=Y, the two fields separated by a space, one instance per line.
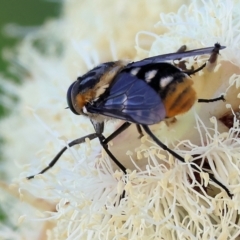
x=179 y=97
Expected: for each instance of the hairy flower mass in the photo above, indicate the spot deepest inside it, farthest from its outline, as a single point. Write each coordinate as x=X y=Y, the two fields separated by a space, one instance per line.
x=81 y=197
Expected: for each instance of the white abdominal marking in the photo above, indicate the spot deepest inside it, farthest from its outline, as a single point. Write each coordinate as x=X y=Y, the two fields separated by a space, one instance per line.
x=150 y=75
x=134 y=71
x=163 y=82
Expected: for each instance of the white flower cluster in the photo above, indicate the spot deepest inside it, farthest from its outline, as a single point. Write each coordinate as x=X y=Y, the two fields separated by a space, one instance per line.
x=163 y=198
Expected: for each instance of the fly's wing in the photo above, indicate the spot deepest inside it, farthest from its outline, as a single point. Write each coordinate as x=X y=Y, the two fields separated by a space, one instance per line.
x=176 y=55
x=131 y=99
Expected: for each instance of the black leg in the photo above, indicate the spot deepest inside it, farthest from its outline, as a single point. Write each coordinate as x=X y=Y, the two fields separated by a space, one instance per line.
x=183 y=48
x=105 y=147
x=73 y=143
x=212 y=59
x=139 y=130
x=122 y=128
x=221 y=98
x=99 y=126
x=181 y=64
x=104 y=141
x=163 y=146
x=191 y=72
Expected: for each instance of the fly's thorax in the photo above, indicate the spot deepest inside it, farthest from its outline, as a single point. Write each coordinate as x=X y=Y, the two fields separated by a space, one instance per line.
x=107 y=78
x=92 y=85
x=177 y=94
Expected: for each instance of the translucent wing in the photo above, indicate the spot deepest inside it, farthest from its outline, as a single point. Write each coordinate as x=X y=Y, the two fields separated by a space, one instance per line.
x=174 y=56
x=132 y=99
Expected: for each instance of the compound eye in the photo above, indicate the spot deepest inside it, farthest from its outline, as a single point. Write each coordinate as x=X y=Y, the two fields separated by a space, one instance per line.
x=70 y=98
